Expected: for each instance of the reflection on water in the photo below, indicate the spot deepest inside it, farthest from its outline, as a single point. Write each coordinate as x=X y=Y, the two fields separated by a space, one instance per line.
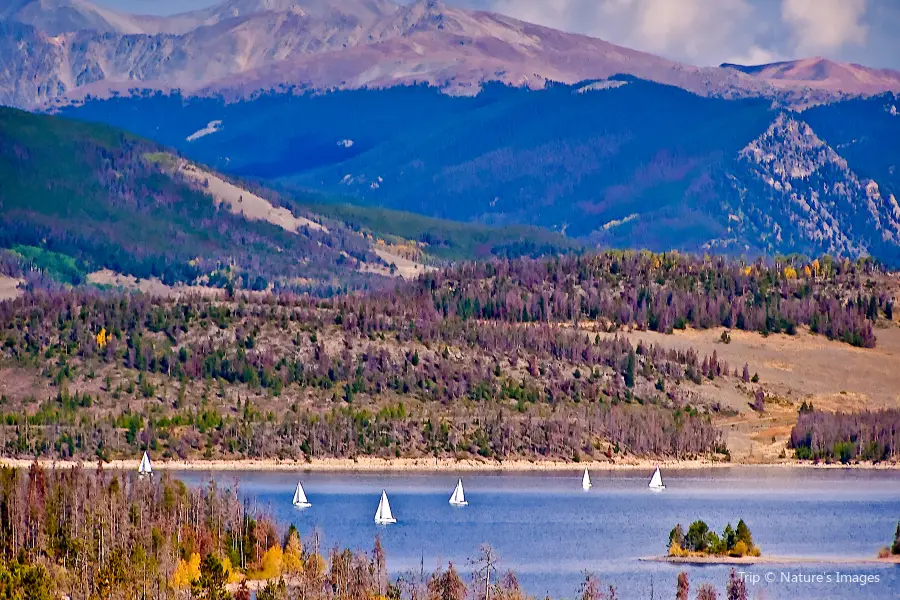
x=549 y=531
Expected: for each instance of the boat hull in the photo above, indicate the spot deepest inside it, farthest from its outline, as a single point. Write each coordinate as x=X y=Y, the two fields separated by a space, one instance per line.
x=455 y=503
x=385 y=521
x=302 y=504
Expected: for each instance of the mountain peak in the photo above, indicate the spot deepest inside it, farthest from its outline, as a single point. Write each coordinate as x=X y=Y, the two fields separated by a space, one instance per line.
x=55 y=17
x=823 y=73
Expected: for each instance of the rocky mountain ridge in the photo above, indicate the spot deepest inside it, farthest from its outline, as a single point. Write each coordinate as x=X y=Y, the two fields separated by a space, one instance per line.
x=54 y=51
x=598 y=161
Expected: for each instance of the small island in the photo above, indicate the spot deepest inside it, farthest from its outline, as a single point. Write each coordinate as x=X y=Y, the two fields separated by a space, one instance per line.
x=893 y=553
x=702 y=542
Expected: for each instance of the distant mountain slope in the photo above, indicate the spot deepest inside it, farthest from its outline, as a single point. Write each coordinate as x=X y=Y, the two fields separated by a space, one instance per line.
x=57 y=51
x=620 y=162
x=54 y=17
x=106 y=199
x=357 y=13
x=824 y=74
x=93 y=197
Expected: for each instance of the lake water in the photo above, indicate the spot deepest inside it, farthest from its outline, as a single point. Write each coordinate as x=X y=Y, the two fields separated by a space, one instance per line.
x=549 y=531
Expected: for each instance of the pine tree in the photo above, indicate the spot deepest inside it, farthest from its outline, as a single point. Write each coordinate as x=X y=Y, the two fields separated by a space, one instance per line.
x=211 y=583
x=707 y=592
x=743 y=534
x=447 y=586
x=737 y=587
x=684 y=587
x=629 y=370
x=895 y=548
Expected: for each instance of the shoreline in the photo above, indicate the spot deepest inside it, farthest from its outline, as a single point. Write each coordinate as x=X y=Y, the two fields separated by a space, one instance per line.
x=773 y=560
x=370 y=464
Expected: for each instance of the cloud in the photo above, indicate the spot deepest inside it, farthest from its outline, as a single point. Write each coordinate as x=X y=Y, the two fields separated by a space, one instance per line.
x=755 y=56
x=699 y=31
x=708 y=32
x=825 y=25
x=697 y=27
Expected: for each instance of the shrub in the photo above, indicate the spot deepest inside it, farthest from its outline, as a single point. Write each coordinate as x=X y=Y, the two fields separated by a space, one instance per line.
x=676 y=550
x=740 y=549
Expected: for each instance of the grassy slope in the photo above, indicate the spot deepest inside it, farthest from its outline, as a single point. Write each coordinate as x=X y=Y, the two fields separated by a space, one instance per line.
x=90 y=192
x=447 y=240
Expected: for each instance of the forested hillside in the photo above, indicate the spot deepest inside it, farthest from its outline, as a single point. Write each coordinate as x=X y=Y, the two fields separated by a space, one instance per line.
x=617 y=163
x=94 y=194
x=509 y=359
x=76 y=198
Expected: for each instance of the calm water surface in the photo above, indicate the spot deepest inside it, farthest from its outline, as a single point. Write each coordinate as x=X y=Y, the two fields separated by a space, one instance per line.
x=549 y=531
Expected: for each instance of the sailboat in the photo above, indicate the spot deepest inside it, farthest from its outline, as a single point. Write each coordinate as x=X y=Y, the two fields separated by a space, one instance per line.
x=459 y=497
x=656 y=482
x=300 y=500
x=383 y=515
x=145 y=467
x=586 y=480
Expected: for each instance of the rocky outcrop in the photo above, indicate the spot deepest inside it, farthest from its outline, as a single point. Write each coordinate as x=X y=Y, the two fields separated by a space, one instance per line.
x=797 y=192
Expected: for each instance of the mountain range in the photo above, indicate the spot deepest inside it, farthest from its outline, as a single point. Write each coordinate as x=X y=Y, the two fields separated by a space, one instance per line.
x=57 y=51
x=480 y=119
x=621 y=162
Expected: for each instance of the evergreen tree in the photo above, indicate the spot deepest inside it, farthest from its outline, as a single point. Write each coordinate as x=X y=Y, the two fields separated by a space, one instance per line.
x=211 y=584
x=737 y=587
x=447 y=586
x=684 y=587
x=743 y=534
x=707 y=592
x=895 y=548
x=629 y=370
x=676 y=536
x=697 y=538
x=729 y=537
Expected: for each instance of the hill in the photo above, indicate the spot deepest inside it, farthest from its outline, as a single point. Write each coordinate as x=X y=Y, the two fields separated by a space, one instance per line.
x=59 y=51
x=620 y=162
x=103 y=198
x=596 y=357
x=76 y=198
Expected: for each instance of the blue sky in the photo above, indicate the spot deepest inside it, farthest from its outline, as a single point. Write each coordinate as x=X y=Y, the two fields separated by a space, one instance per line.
x=702 y=32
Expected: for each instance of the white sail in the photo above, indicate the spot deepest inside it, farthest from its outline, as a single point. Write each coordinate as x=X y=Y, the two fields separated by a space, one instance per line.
x=383 y=515
x=656 y=482
x=459 y=496
x=145 y=468
x=300 y=500
x=586 y=480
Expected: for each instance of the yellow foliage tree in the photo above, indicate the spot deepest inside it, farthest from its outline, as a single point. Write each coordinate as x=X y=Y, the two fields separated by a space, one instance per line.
x=102 y=338
x=186 y=572
x=816 y=266
x=292 y=561
x=790 y=272
x=748 y=270
x=271 y=565
x=807 y=272
x=230 y=572
x=315 y=566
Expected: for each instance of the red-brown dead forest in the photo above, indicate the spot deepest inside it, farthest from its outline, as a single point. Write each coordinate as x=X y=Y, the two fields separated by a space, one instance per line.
x=504 y=359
